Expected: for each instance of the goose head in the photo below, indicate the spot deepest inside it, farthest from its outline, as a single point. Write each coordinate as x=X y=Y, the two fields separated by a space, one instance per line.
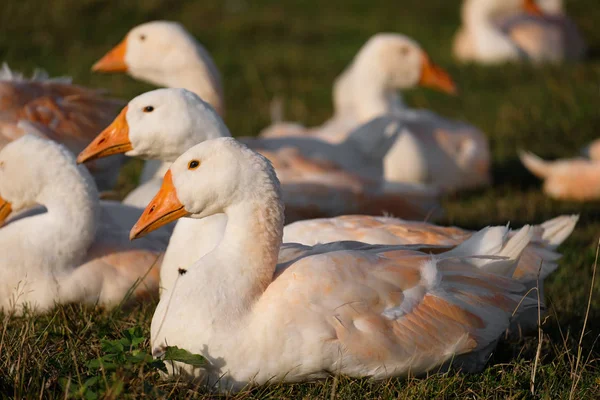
x=160 y=124
x=31 y=170
x=164 y=53
x=150 y=51
x=205 y=180
x=401 y=63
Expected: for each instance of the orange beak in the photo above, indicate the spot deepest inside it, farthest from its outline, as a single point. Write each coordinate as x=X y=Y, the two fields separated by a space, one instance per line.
x=531 y=7
x=165 y=207
x=435 y=77
x=112 y=140
x=5 y=210
x=114 y=60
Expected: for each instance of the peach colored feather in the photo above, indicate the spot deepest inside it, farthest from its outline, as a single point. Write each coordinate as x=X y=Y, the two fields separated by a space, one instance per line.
x=315 y=188
x=58 y=110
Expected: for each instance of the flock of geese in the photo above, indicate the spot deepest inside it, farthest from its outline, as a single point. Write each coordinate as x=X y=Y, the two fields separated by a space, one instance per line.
x=358 y=294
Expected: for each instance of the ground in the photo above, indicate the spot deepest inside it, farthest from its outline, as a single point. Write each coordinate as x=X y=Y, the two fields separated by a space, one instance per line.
x=294 y=49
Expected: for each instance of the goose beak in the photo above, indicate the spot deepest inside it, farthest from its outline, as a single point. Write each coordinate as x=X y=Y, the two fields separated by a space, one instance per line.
x=114 y=60
x=5 y=210
x=435 y=77
x=165 y=207
x=112 y=140
x=531 y=7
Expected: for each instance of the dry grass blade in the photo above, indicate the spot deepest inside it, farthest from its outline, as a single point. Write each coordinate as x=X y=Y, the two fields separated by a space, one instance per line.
x=576 y=376
x=539 y=330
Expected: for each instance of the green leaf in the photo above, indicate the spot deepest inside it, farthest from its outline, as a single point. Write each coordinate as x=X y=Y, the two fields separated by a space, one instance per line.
x=138 y=358
x=174 y=353
x=91 y=381
x=135 y=335
x=112 y=346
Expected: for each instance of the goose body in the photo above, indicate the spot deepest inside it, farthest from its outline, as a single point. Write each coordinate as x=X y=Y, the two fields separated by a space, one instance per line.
x=260 y=311
x=76 y=250
x=56 y=109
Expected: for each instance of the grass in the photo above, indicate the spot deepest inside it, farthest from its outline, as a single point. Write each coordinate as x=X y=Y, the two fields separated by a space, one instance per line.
x=294 y=49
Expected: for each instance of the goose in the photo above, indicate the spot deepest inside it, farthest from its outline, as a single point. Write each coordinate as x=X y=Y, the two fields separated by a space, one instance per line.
x=55 y=108
x=162 y=124
x=262 y=312
x=74 y=250
x=575 y=179
x=496 y=31
x=449 y=154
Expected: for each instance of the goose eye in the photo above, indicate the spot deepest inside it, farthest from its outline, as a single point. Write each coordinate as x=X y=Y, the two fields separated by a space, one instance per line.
x=193 y=164
x=142 y=37
x=404 y=50
x=148 y=109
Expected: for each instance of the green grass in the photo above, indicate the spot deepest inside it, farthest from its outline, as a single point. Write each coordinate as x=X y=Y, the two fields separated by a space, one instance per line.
x=294 y=49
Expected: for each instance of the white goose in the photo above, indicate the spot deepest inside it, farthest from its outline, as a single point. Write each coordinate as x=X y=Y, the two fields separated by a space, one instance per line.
x=449 y=154
x=75 y=251
x=345 y=307
x=368 y=87
x=55 y=108
x=496 y=31
x=164 y=123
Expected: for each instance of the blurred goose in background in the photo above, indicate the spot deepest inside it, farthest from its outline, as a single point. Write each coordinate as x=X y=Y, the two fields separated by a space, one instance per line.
x=368 y=87
x=261 y=312
x=74 y=250
x=496 y=31
x=448 y=154
x=433 y=150
x=165 y=54
x=56 y=109
x=568 y=179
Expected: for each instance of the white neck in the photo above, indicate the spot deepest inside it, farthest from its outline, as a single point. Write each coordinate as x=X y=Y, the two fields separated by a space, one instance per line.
x=362 y=91
x=237 y=272
x=68 y=228
x=195 y=71
x=196 y=78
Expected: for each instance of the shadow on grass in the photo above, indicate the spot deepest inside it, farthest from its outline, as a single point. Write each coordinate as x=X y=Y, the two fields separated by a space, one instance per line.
x=593 y=54
x=512 y=173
